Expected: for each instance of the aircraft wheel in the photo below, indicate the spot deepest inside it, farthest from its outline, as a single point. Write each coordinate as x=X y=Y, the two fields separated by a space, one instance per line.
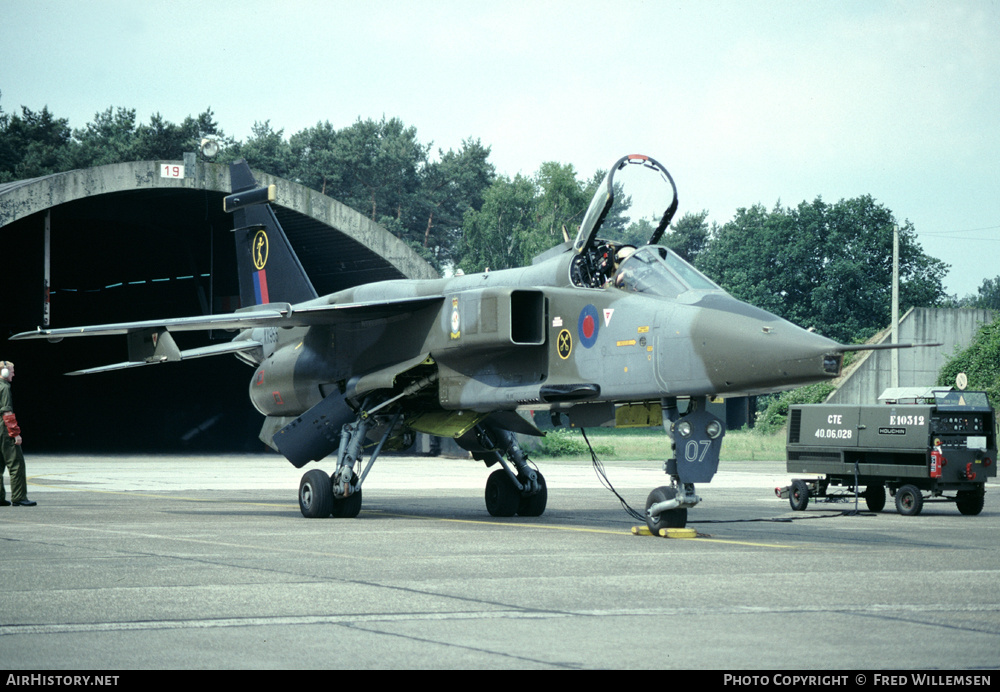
x=502 y=496
x=799 y=497
x=970 y=502
x=875 y=497
x=315 y=495
x=671 y=519
x=349 y=507
x=909 y=501
x=534 y=505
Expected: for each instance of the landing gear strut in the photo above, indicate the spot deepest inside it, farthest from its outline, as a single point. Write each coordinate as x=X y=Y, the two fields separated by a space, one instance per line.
x=339 y=495
x=509 y=490
x=697 y=436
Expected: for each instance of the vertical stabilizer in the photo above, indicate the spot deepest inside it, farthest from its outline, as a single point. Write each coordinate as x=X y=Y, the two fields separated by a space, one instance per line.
x=269 y=270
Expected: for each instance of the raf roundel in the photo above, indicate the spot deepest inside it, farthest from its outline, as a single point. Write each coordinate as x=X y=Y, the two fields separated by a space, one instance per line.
x=588 y=326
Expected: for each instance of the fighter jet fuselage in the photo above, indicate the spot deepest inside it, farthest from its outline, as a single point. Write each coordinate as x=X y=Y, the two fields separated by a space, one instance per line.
x=506 y=340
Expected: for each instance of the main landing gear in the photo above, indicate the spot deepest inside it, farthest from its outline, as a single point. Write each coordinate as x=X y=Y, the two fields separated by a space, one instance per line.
x=516 y=487
x=339 y=495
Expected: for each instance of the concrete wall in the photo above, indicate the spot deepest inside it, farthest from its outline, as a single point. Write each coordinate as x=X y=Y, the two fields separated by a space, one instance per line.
x=918 y=367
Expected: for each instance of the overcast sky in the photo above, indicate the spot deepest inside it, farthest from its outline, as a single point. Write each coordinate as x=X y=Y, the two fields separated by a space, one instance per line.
x=744 y=102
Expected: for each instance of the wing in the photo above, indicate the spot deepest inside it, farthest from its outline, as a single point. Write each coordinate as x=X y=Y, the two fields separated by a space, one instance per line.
x=229 y=322
x=150 y=342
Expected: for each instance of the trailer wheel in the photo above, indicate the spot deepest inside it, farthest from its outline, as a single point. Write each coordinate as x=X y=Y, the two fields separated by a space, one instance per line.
x=798 y=498
x=875 y=497
x=909 y=501
x=970 y=502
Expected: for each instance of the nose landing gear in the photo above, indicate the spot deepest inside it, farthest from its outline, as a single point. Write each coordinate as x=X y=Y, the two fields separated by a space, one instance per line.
x=696 y=443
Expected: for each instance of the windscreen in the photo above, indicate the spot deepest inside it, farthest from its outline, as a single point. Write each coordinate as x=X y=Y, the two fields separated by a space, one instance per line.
x=659 y=271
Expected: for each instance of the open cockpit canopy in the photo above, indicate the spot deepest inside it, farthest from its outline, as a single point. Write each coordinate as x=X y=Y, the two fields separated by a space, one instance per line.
x=613 y=258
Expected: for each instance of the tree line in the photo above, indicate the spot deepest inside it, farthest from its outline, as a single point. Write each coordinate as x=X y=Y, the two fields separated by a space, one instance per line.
x=820 y=265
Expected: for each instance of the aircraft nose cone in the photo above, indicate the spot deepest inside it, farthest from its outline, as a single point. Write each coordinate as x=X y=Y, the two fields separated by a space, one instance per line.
x=746 y=349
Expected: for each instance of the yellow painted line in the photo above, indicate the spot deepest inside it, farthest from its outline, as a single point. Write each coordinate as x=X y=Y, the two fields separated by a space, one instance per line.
x=757 y=545
x=700 y=537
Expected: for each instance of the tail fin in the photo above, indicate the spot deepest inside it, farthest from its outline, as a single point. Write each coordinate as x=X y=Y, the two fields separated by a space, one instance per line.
x=269 y=270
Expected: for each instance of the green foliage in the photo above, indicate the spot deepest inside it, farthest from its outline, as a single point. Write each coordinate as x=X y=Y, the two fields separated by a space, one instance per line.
x=989 y=294
x=560 y=206
x=980 y=361
x=114 y=136
x=775 y=413
x=382 y=170
x=500 y=234
x=569 y=444
x=652 y=444
x=524 y=217
x=689 y=236
x=266 y=150
x=822 y=266
x=33 y=144
x=451 y=186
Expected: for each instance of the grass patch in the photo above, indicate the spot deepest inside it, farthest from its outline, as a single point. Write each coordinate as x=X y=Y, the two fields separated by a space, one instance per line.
x=644 y=444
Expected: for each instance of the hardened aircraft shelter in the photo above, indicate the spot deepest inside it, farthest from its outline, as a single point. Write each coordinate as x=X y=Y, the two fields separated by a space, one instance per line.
x=144 y=240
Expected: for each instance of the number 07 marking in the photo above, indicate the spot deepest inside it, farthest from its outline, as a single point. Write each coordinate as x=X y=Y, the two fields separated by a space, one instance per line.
x=691 y=452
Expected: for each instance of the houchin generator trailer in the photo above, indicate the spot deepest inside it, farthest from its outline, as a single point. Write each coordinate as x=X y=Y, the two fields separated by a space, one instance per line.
x=943 y=442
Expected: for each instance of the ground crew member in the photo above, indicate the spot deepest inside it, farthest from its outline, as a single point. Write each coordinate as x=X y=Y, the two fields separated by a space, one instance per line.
x=10 y=444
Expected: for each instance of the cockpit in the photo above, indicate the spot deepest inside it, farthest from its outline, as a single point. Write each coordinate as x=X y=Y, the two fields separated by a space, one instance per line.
x=650 y=268
x=660 y=271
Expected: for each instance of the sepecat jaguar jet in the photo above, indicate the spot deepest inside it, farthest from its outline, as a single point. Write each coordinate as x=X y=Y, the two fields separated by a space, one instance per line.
x=595 y=331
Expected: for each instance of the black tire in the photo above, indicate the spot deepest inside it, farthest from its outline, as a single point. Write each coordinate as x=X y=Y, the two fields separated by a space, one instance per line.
x=315 y=495
x=909 y=501
x=671 y=519
x=502 y=496
x=349 y=507
x=798 y=497
x=875 y=497
x=534 y=505
x=970 y=502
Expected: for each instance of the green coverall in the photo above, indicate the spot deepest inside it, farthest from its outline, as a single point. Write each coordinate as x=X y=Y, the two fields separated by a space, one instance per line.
x=12 y=454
